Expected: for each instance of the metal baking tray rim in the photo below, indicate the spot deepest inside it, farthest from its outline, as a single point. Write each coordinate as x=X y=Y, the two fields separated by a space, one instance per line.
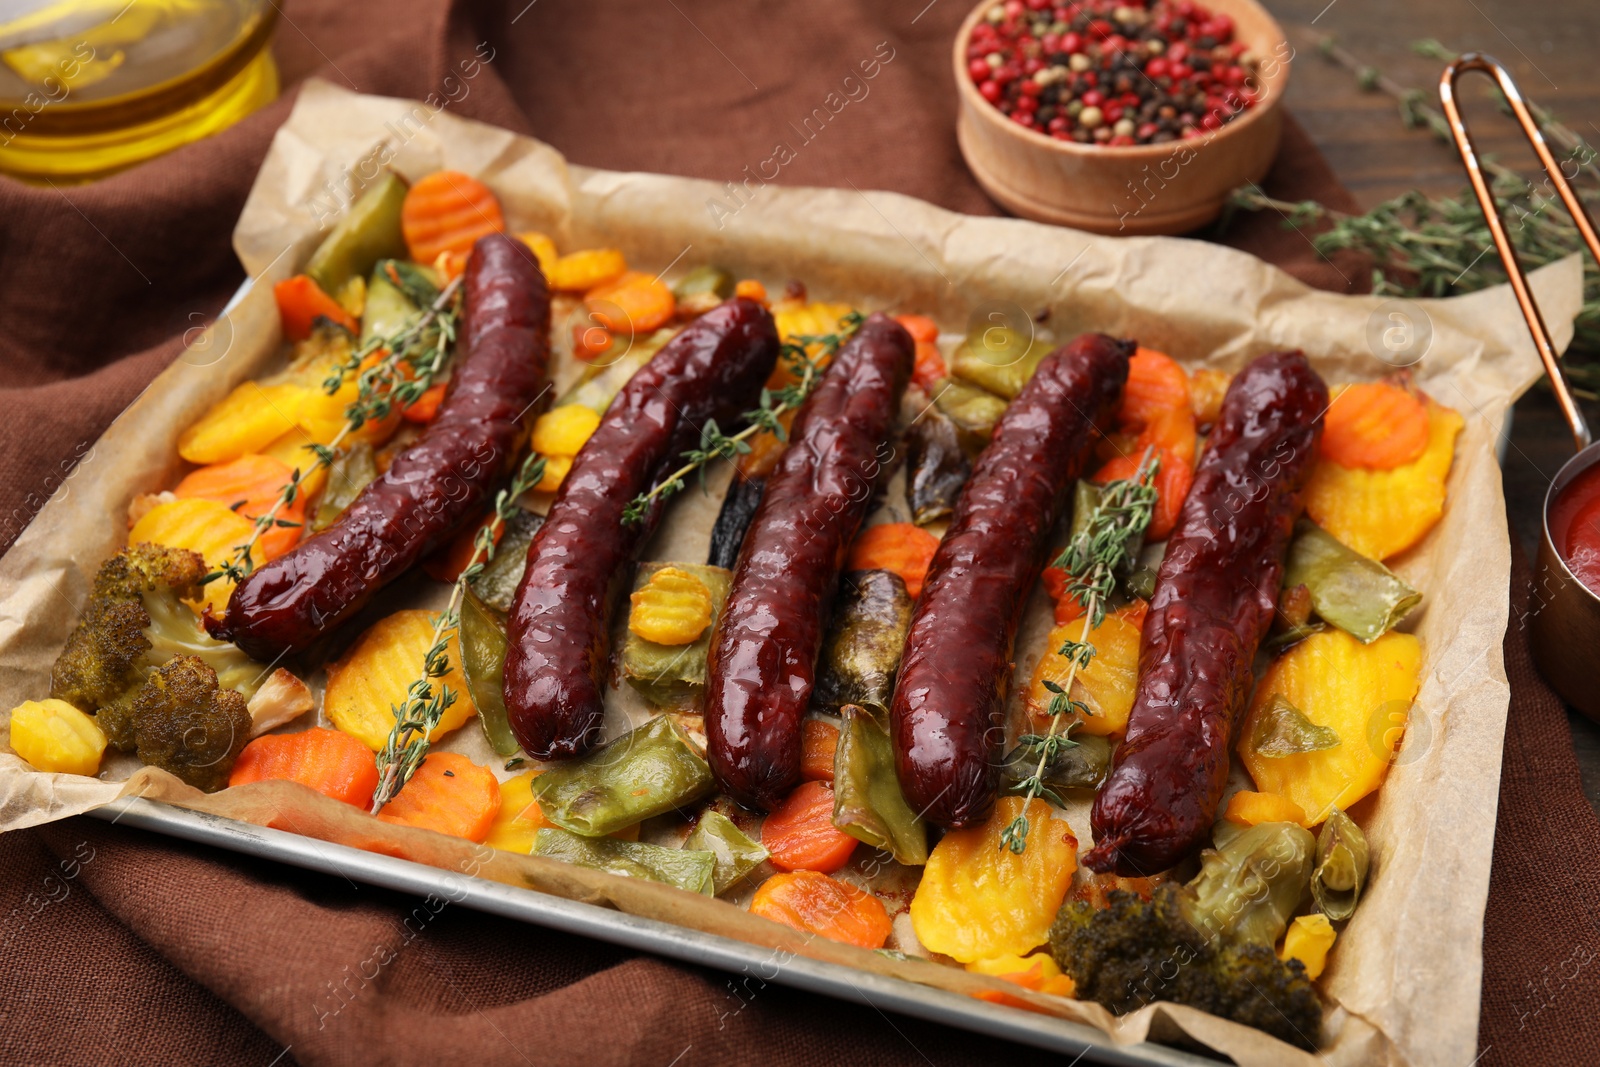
x=879 y=992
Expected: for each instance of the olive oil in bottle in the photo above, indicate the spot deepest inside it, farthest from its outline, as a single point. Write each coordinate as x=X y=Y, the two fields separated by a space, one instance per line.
x=88 y=87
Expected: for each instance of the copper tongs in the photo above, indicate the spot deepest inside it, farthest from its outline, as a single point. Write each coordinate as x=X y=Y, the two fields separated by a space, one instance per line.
x=1564 y=614
x=1477 y=61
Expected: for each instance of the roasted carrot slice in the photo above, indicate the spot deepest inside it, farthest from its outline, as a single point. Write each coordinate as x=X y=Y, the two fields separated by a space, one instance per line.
x=1375 y=425
x=1172 y=483
x=250 y=485
x=301 y=303
x=425 y=408
x=1155 y=384
x=636 y=303
x=813 y=903
x=450 y=794
x=447 y=563
x=332 y=763
x=819 y=740
x=929 y=368
x=446 y=212
x=920 y=327
x=900 y=547
x=801 y=835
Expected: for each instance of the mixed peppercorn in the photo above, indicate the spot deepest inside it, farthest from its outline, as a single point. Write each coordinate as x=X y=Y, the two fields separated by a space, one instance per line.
x=1112 y=72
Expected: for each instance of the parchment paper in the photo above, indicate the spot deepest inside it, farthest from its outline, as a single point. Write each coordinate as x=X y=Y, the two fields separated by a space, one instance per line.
x=1404 y=980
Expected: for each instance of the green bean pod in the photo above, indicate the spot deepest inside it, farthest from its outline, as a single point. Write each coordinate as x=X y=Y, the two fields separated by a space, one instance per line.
x=1358 y=595
x=483 y=659
x=1248 y=889
x=674 y=676
x=497 y=583
x=861 y=654
x=369 y=232
x=1341 y=872
x=646 y=772
x=867 y=802
x=973 y=410
x=352 y=468
x=682 y=868
x=998 y=359
x=1283 y=730
x=736 y=854
x=937 y=467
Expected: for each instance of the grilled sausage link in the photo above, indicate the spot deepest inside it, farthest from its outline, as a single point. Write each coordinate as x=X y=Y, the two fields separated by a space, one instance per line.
x=1214 y=598
x=764 y=655
x=559 y=632
x=433 y=485
x=949 y=701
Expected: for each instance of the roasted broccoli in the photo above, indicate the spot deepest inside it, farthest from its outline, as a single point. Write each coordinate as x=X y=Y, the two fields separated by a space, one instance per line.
x=1208 y=944
x=185 y=724
x=1134 y=952
x=135 y=622
x=104 y=655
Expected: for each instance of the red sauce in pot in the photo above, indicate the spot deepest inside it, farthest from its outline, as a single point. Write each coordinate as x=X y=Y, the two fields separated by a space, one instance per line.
x=1575 y=526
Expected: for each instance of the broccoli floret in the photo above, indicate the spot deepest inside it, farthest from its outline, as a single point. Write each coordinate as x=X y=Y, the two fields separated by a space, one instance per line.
x=103 y=657
x=185 y=724
x=135 y=622
x=1135 y=951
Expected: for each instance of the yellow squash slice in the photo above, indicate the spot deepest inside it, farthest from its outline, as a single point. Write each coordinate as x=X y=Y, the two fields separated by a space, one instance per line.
x=1381 y=513
x=1363 y=693
x=978 y=899
x=372 y=678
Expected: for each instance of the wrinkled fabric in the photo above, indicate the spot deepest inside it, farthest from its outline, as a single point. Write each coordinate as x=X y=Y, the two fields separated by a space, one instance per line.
x=119 y=945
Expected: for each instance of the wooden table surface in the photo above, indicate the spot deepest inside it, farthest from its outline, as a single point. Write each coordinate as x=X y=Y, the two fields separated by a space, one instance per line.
x=1550 y=48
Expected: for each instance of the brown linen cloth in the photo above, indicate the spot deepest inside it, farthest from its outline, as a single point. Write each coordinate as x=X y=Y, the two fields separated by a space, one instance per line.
x=120 y=945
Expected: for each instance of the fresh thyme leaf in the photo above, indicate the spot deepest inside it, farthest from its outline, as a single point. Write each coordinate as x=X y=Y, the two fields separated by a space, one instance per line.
x=407 y=744
x=774 y=403
x=1092 y=560
x=377 y=386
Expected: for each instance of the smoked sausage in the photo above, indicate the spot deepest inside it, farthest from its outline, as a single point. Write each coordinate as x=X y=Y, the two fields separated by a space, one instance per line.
x=764 y=654
x=1215 y=595
x=948 y=703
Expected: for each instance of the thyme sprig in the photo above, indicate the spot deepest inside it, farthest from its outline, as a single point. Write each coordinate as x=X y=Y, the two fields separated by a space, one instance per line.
x=714 y=444
x=1423 y=246
x=1092 y=560
x=423 y=346
x=415 y=720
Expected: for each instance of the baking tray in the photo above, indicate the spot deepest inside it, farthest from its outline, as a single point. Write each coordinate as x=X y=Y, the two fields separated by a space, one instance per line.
x=878 y=992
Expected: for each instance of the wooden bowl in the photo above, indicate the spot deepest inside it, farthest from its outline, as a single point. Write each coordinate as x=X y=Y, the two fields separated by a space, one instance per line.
x=1139 y=189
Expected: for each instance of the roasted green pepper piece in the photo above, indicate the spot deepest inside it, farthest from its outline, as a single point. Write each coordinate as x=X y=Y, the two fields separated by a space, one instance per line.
x=1342 y=859
x=674 y=676
x=1080 y=765
x=999 y=359
x=973 y=410
x=604 y=378
x=645 y=772
x=483 y=660
x=861 y=653
x=683 y=868
x=497 y=583
x=1358 y=595
x=396 y=294
x=351 y=470
x=1283 y=730
x=938 y=467
x=867 y=802
x=1248 y=889
x=704 y=279
x=369 y=232
x=735 y=853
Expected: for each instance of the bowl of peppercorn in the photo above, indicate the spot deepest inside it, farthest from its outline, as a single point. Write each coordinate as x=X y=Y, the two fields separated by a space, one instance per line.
x=1119 y=116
